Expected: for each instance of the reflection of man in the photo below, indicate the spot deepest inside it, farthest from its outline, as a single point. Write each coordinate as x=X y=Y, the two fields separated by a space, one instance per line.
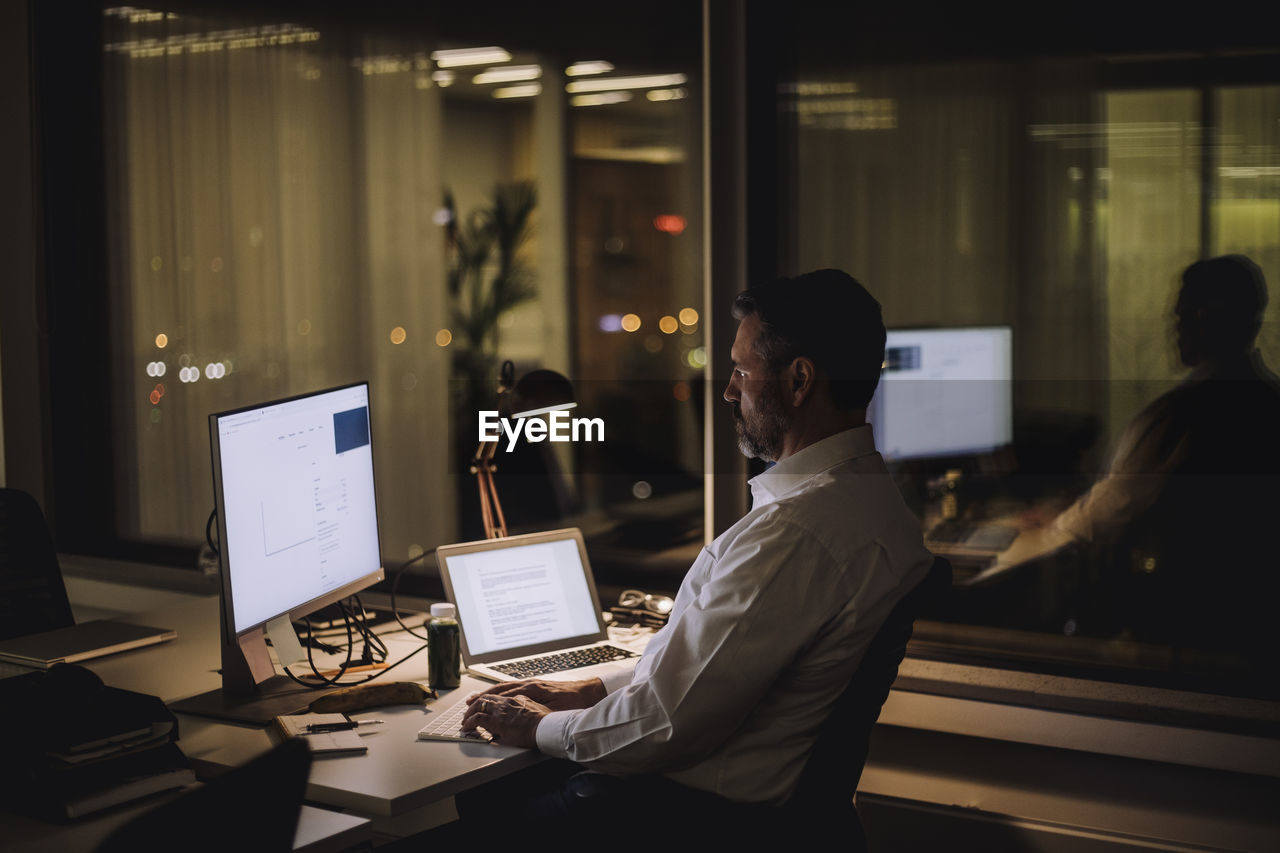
x=1193 y=491
x=772 y=619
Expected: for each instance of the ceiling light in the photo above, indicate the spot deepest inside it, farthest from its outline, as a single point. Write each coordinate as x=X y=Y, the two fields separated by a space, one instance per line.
x=666 y=94
x=527 y=90
x=443 y=78
x=591 y=66
x=651 y=81
x=509 y=74
x=600 y=99
x=469 y=56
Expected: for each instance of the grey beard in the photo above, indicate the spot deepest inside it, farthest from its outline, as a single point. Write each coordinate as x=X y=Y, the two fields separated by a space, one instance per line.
x=764 y=443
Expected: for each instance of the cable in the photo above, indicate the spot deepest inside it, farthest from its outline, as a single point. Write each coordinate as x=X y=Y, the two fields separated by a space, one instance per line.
x=395 y=582
x=208 y=531
x=361 y=626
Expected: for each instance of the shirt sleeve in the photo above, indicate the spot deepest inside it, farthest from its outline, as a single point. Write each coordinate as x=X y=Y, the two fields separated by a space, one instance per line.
x=1150 y=448
x=730 y=634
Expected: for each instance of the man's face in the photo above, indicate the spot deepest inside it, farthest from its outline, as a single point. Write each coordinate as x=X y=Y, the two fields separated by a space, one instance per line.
x=759 y=411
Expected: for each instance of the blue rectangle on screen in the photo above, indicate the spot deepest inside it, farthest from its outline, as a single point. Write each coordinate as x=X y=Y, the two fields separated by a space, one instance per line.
x=350 y=429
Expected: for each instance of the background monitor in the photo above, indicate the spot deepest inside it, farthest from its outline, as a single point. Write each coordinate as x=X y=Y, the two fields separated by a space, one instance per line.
x=944 y=392
x=297 y=530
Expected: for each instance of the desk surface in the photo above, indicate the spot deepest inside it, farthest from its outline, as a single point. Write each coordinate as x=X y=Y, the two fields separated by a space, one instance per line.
x=400 y=782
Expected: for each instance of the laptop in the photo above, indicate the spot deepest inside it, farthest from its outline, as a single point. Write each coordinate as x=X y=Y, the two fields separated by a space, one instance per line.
x=972 y=536
x=528 y=608
x=80 y=642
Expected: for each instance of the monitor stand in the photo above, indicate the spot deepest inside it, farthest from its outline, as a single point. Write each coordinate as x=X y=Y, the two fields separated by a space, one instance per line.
x=275 y=697
x=243 y=698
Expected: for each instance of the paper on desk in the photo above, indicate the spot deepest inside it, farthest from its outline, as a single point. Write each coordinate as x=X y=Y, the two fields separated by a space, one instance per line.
x=285 y=641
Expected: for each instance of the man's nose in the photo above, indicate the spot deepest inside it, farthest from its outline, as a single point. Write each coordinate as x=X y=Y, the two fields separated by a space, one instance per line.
x=731 y=394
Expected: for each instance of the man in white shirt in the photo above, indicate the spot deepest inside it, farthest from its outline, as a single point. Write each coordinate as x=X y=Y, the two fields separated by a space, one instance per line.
x=774 y=616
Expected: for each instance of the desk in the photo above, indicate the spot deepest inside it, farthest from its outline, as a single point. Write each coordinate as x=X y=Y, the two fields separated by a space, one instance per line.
x=402 y=785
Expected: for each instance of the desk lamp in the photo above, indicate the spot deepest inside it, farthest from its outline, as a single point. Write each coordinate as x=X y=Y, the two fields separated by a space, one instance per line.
x=537 y=393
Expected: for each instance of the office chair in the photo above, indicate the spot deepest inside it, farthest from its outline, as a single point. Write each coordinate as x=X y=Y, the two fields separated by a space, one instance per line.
x=823 y=799
x=33 y=597
x=254 y=807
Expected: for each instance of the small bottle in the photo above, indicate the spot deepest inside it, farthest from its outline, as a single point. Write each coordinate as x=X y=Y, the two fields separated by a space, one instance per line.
x=444 y=651
x=950 y=496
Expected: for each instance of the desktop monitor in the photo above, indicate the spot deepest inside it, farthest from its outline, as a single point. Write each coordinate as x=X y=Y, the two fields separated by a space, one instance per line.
x=944 y=393
x=297 y=530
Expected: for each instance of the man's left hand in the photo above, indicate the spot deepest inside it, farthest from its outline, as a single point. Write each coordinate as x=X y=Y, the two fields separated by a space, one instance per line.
x=512 y=720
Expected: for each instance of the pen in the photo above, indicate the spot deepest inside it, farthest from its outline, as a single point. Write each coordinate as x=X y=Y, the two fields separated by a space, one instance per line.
x=339 y=727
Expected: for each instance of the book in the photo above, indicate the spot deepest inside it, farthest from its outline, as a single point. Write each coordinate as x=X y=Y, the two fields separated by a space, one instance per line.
x=62 y=791
x=342 y=742
x=83 y=745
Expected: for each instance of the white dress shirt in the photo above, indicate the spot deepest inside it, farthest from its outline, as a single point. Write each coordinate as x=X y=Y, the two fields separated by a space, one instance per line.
x=768 y=627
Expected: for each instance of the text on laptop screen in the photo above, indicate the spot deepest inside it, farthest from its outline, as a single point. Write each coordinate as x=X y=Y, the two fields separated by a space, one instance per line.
x=944 y=392
x=522 y=595
x=298 y=501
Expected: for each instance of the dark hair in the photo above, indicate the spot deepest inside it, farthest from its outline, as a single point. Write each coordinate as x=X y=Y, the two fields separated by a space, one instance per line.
x=828 y=317
x=1231 y=293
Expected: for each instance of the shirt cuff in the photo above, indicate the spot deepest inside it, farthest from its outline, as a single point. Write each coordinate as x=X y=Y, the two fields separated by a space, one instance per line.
x=552 y=736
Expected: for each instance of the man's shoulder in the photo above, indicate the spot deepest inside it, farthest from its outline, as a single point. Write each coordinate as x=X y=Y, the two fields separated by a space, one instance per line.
x=836 y=513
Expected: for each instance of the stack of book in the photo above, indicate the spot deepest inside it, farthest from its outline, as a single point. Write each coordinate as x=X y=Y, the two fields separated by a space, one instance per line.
x=75 y=746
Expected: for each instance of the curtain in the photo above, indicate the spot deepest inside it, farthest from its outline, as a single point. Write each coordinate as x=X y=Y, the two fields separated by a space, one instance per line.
x=271 y=193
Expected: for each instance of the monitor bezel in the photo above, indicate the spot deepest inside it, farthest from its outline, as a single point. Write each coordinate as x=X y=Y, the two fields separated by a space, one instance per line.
x=303 y=608
x=950 y=453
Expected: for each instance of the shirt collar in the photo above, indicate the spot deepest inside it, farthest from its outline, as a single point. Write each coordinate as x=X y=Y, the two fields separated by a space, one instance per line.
x=814 y=459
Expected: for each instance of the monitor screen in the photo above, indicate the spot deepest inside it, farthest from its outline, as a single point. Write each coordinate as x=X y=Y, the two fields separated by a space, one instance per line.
x=944 y=392
x=297 y=518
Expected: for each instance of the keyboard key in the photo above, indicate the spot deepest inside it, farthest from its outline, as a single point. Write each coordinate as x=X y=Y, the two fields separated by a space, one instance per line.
x=448 y=725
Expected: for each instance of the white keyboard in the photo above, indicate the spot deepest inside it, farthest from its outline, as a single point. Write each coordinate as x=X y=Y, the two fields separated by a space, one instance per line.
x=446 y=724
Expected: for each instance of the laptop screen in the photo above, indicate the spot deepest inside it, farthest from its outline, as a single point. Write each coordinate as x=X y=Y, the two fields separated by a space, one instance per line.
x=522 y=594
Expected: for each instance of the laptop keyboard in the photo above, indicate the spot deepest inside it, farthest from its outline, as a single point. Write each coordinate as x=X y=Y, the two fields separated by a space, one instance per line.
x=448 y=725
x=562 y=661
x=993 y=537
x=951 y=531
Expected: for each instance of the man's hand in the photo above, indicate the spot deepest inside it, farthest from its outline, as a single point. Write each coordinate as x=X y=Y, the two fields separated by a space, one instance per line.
x=512 y=720
x=555 y=695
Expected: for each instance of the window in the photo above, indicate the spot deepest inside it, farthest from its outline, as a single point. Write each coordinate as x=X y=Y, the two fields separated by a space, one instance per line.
x=1059 y=190
x=299 y=200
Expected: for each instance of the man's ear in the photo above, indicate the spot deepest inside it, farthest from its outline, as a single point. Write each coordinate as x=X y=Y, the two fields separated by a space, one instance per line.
x=803 y=376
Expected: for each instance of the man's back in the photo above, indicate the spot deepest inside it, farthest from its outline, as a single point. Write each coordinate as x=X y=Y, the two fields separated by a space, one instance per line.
x=1206 y=549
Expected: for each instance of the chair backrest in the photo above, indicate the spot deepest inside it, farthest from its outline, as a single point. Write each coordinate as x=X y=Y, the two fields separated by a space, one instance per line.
x=253 y=807
x=33 y=597
x=834 y=768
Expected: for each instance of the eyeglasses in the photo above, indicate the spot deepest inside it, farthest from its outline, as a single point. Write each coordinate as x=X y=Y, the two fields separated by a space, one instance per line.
x=635 y=598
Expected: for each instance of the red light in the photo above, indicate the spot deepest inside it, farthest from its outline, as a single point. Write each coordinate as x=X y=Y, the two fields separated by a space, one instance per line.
x=155 y=397
x=159 y=389
x=669 y=223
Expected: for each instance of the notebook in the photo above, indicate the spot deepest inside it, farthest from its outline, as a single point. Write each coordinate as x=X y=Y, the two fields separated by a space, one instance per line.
x=80 y=642
x=528 y=608
x=339 y=742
